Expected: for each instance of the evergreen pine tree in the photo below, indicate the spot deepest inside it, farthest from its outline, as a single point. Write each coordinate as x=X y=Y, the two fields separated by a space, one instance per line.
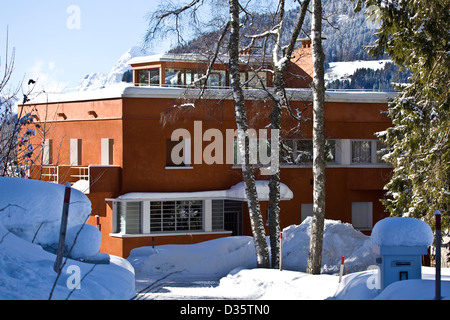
x=416 y=34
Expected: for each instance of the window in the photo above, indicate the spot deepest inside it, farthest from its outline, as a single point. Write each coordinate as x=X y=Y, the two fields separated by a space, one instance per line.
x=75 y=152
x=217 y=79
x=217 y=215
x=362 y=215
x=175 y=78
x=129 y=217
x=362 y=151
x=253 y=80
x=300 y=152
x=166 y=216
x=307 y=210
x=107 y=151
x=367 y=151
x=256 y=78
x=259 y=152
x=330 y=151
x=381 y=151
x=193 y=78
x=47 y=152
x=148 y=77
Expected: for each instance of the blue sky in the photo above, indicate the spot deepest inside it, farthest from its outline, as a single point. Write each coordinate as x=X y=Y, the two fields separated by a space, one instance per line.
x=60 y=41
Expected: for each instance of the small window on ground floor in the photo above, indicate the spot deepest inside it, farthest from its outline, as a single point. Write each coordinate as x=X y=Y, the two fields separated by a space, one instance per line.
x=307 y=210
x=362 y=215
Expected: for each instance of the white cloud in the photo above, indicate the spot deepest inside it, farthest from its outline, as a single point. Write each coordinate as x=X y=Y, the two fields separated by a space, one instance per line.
x=47 y=76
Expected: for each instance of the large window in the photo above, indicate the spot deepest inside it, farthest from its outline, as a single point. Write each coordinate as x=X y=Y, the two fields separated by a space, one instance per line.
x=193 y=78
x=166 y=216
x=177 y=216
x=148 y=77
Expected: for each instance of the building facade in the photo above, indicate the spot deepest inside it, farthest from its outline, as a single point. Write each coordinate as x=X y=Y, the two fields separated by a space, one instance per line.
x=148 y=188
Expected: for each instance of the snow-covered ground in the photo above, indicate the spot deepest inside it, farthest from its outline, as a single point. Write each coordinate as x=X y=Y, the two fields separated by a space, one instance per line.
x=30 y=214
x=225 y=268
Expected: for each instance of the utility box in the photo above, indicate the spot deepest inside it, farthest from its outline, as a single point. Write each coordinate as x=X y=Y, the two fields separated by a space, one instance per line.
x=400 y=244
x=399 y=263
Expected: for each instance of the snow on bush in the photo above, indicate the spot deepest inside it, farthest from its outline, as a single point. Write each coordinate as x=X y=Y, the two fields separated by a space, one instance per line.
x=402 y=231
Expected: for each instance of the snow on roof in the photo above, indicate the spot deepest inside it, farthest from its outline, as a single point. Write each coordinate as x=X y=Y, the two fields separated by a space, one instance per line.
x=236 y=192
x=402 y=231
x=126 y=90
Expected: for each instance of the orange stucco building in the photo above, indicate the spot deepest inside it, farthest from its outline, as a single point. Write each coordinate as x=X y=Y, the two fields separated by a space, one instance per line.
x=115 y=145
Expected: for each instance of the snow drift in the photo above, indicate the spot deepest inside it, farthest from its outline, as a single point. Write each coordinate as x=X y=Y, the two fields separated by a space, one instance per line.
x=30 y=218
x=340 y=239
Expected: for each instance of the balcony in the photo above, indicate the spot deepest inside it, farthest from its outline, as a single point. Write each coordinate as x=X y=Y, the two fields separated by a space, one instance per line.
x=87 y=179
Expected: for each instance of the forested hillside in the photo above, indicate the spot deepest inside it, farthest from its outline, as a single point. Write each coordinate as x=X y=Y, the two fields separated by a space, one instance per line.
x=346 y=32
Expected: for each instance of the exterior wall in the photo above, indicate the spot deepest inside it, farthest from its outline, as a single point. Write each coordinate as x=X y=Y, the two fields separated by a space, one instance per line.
x=141 y=126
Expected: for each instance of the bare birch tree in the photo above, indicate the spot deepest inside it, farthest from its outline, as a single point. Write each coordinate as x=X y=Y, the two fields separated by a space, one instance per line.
x=16 y=129
x=262 y=251
x=318 y=88
x=281 y=58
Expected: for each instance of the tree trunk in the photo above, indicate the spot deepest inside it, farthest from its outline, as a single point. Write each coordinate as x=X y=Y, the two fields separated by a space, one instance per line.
x=318 y=87
x=257 y=225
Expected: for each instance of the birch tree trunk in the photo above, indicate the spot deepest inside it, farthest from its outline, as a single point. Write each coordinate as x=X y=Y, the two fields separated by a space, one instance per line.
x=257 y=225
x=318 y=88
x=281 y=59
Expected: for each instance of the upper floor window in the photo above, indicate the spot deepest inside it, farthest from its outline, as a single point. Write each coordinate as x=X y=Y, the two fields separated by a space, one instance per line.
x=367 y=151
x=148 y=77
x=362 y=151
x=300 y=151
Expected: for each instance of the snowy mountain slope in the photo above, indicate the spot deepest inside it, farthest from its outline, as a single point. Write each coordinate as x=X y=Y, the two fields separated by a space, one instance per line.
x=345 y=69
x=98 y=80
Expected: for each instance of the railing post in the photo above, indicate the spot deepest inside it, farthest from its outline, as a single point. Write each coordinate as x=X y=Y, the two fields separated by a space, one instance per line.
x=438 y=256
x=63 y=229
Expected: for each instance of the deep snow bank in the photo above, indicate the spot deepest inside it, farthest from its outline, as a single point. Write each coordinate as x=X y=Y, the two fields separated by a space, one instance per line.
x=215 y=257
x=31 y=209
x=221 y=256
x=339 y=240
x=30 y=218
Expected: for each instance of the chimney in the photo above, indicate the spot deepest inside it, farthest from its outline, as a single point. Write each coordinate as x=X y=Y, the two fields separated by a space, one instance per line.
x=302 y=58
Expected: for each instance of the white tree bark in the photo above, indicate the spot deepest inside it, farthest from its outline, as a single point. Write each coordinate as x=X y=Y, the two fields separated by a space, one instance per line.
x=257 y=225
x=318 y=87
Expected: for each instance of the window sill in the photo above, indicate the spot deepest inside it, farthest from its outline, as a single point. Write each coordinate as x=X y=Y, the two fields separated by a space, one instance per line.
x=165 y=234
x=331 y=165
x=180 y=167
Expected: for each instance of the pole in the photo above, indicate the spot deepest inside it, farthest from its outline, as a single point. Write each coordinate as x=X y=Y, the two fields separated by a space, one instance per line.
x=281 y=251
x=342 y=269
x=438 y=256
x=97 y=218
x=63 y=229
